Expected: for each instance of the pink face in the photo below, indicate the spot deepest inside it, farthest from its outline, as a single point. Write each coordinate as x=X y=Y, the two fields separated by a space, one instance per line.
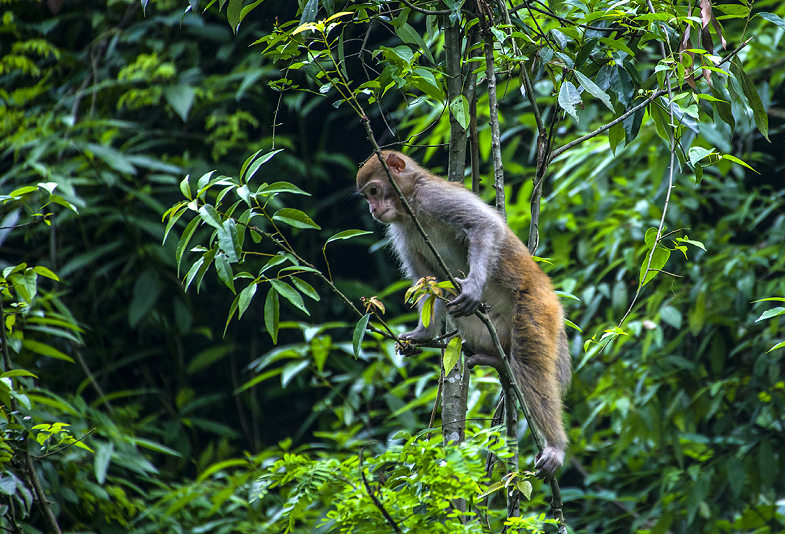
x=380 y=204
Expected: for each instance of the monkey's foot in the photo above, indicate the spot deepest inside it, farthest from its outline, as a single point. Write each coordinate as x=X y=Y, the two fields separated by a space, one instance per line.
x=548 y=461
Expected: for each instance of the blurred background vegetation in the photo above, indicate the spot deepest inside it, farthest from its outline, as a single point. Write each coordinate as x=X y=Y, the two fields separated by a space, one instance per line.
x=675 y=427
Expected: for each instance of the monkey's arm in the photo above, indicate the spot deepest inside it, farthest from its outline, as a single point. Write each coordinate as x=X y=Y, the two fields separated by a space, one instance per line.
x=485 y=236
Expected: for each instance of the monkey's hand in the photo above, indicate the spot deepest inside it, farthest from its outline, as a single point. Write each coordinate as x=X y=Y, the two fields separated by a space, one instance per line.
x=418 y=335
x=468 y=301
x=548 y=461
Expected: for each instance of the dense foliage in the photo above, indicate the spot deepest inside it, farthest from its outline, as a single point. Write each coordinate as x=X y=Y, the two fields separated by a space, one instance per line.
x=178 y=282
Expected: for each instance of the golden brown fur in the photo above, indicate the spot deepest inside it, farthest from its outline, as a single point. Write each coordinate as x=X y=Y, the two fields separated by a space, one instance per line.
x=497 y=268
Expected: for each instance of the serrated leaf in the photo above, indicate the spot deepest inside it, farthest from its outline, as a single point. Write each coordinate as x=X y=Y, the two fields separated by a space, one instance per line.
x=359 y=333
x=594 y=90
x=452 y=354
x=272 y=314
x=290 y=294
x=296 y=218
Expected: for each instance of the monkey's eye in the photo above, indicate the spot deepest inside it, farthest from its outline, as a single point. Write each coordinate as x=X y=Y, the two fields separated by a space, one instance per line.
x=373 y=190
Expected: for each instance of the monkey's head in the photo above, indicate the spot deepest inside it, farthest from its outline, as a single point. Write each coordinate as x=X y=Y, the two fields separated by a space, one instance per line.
x=375 y=187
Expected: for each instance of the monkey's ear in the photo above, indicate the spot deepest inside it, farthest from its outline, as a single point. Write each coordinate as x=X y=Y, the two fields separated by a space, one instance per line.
x=396 y=163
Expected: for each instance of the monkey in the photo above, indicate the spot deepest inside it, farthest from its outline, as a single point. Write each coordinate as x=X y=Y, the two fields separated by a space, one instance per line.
x=497 y=269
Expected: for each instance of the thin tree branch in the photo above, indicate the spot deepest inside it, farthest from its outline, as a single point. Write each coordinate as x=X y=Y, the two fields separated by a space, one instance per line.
x=493 y=108
x=426 y=11
x=375 y=499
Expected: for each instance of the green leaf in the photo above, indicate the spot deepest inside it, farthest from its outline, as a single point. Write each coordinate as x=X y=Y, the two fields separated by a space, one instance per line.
x=182 y=245
x=292 y=369
x=761 y=119
x=740 y=162
x=211 y=217
x=410 y=36
x=17 y=372
x=426 y=313
x=45 y=350
x=659 y=258
x=615 y=136
x=43 y=271
x=224 y=269
x=697 y=153
x=651 y=237
x=304 y=287
x=208 y=357
x=246 y=295
x=23 y=191
x=569 y=98
x=290 y=294
x=459 y=107
x=181 y=98
x=359 y=333
x=309 y=11
x=347 y=234
x=144 y=295
x=280 y=187
x=768 y=314
x=594 y=90
x=771 y=17
x=233 y=13
x=295 y=218
x=172 y=220
x=272 y=314
x=452 y=354
x=229 y=242
x=103 y=457
x=258 y=163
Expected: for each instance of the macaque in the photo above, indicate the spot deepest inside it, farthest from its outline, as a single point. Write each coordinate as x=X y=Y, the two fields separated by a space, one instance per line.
x=496 y=268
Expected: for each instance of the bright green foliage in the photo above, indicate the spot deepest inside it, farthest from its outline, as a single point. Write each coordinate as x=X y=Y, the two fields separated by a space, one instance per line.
x=675 y=425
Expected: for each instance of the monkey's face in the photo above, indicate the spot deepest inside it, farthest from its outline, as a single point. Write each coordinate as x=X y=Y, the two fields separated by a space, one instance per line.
x=382 y=201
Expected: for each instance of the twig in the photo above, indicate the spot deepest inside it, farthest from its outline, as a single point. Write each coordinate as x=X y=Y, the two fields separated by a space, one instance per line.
x=493 y=107
x=426 y=11
x=375 y=500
